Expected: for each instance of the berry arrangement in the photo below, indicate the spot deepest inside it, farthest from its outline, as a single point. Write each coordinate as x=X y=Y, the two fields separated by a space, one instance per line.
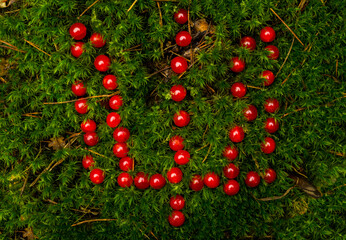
x=180 y=119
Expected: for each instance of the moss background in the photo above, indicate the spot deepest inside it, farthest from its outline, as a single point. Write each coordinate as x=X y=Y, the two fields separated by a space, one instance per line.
x=311 y=140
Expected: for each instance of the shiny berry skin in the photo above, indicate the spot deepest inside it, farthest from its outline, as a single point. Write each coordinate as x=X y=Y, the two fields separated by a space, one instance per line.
x=248 y=42
x=121 y=134
x=178 y=93
x=88 y=126
x=78 y=31
x=78 y=89
x=271 y=105
x=97 y=176
x=88 y=161
x=230 y=153
x=196 y=183
x=250 y=113
x=179 y=64
x=182 y=157
x=211 y=180
x=176 y=143
x=177 y=202
x=126 y=164
x=141 y=180
x=238 y=90
x=183 y=38
x=157 y=181
x=231 y=187
x=181 y=16
x=102 y=63
x=267 y=34
x=77 y=49
x=176 y=219
x=268 y=76
x=125 y=180
x=252 y=179
x=236 y=134
x=273 y=52
x=270 y=175
x=238 y=65
x=110 y=82
x=91 y=138
x=120 y=150
x=113 y=119
x=174 y=175
x=81 y=106
x=231 y=171
x=97 y=40
x=181 y=119
x=115 y=102
x=268 y=146
x=271 y=125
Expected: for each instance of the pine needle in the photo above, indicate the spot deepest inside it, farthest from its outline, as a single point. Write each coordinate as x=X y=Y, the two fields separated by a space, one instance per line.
x=93 y=220
x=289 y=51
x=132 y=5
x=88 y=8
x=286 y=26
x=275 y=197
x=75 y=100
x=35 y=46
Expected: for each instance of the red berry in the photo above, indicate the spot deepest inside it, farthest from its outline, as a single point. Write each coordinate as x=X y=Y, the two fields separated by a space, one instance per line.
x=126 y=164
x=174 y=175
x=141 y=180
x=91 y=138
x=238 y=65
x=110 y=82
x=97 y=176
x=178 y=93
x=181 y=119
x=268 y=146
x=183 y=39
x=81 y=106
x=269 y=77
x=238 y=90
x=270 y=175
x=252 y=179
x=182 y=157
x=236 y=134
x=120 y=150
x=88 y=161
x=97 y=40
x=230 y=153
x=196 y=183
x=116 y=102
x=176 y=219
x=78 y=89
x=78 y=31
x=267 y=34
x=250 y=113
x=176 y=143
x=177 y=202
x=125 y=180
x=273 y=52
x=271 y=105
x=248 y=42
x=231 y=171
x=121 y=134
x=77 y=49
x=102 y=63
x=88 y=126
x=211 y=180
x=157 y=181
x=231 y=187
x=181 y=16
x=271 y=125
x=179 y=64
x=113 y=119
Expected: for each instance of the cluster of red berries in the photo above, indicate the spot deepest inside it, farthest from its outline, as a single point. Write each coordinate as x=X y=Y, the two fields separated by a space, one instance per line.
x=102 y=63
